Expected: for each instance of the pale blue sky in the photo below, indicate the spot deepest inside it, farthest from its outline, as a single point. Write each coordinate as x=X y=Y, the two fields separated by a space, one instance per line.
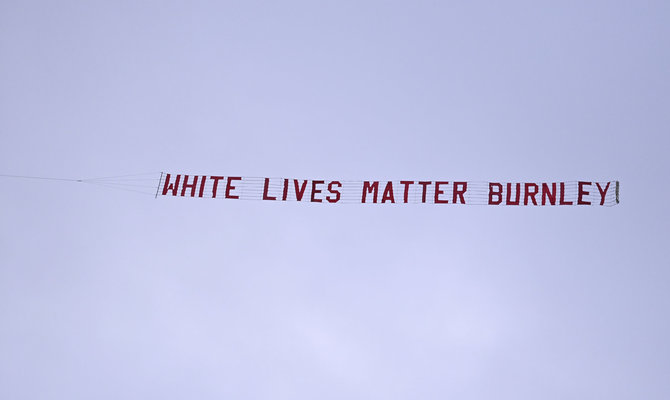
x=110 y=294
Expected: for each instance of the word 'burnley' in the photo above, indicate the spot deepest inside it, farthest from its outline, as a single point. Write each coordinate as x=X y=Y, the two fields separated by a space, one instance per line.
x=403 y=191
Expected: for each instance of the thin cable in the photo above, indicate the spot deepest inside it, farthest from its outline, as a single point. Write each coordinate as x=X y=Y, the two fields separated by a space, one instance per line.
x=123 y=176
x=101 y=180
x=107 y=184
x=119 y=188
x=120 y=184
x=41 y=177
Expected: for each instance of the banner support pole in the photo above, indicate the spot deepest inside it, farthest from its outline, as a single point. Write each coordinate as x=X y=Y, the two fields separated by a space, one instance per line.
x=161 y=179
x=617 y=192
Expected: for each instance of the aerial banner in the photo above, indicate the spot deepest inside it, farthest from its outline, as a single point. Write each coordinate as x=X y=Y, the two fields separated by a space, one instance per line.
x=568 y=193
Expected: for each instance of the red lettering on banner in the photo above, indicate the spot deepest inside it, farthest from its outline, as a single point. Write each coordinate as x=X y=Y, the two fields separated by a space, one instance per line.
x=202 y=186
x=550 y=194
x=174 y=187
x=406 y=183
x=603 y=193
x=265 y=190
x=388 y=193
x=216 y=180
x=299 y=190
x=334 y=191
x=285 y=193
x=460 y=193
x=438 y=192
x=497 y=193
x=530 y=193
x=370 y=188
x=581 y=193
x=425 y=188
x=562 y=201
x=509 y=201
x=315 y=191
x=230 y=187
x=185 y=185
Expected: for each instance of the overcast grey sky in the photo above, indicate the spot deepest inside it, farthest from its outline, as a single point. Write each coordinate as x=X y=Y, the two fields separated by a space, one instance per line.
x=110 y=294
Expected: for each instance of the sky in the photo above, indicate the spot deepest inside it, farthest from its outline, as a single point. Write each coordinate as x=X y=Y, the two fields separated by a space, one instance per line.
x=113 y=294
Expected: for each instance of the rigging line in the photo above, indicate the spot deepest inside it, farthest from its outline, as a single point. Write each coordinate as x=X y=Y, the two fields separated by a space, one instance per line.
x=121 y=180
x=40 y=177
x=75 y=180
x=119 y=184
x=118 y=188
x=123 y=176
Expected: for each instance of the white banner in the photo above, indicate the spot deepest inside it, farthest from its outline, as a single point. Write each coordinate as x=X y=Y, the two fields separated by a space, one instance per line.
x=568 y=193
